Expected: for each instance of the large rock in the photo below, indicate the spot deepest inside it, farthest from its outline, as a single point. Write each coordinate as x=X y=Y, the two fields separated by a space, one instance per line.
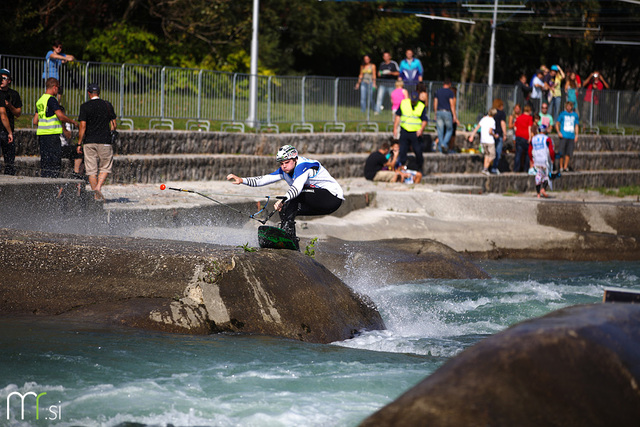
x=178 y=287
x=397 y=260
x=579 y=366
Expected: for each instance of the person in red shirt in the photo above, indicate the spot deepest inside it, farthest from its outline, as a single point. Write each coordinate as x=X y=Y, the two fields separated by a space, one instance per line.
x=594 y=85
x=523 y=134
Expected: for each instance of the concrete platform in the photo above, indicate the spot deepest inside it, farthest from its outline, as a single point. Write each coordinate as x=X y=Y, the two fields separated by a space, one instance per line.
x=582 y=225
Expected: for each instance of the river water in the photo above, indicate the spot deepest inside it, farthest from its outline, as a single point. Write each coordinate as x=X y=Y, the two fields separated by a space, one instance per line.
x=101 y=377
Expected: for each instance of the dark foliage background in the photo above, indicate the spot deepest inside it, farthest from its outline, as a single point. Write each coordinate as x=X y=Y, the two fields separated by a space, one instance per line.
x=330 y=37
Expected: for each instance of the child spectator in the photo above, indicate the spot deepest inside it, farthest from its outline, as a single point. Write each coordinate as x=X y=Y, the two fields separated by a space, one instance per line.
x=398 y=94
x=542 y=158
x=487 y=128
x=408 y=176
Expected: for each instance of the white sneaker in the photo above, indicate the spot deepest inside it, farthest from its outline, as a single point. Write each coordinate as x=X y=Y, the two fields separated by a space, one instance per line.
x=486 y=172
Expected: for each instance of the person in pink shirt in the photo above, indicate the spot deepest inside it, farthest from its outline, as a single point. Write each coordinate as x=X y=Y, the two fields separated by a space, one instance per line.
x=397 y=96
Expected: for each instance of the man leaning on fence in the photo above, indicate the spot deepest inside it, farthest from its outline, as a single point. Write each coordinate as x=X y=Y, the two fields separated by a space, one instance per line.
x=49 y=119
x=97 y=124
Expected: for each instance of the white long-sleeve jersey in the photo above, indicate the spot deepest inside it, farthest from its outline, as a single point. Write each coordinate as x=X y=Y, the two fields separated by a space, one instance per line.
x=307 y=174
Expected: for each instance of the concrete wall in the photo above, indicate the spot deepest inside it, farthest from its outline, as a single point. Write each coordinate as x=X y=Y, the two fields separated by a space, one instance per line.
x=183 y=142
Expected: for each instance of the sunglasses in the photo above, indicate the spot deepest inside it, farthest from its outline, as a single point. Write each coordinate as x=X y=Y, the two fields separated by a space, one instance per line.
x=5 y=78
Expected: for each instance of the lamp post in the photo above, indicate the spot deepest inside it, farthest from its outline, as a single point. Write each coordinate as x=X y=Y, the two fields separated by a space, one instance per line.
x=492 y=55
x=252 y=120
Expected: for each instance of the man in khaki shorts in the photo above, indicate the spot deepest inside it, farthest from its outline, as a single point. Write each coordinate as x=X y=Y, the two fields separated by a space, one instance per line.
x=97 y=120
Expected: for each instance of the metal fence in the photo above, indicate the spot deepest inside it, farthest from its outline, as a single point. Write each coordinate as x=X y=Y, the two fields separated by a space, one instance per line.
x=198 y=99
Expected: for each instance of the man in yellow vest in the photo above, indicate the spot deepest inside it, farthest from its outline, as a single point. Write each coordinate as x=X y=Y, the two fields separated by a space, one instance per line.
x=410 y=121
x=49 y=119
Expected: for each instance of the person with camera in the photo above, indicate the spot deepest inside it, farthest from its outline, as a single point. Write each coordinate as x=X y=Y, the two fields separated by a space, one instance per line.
x=96 y=137
x=594 y=85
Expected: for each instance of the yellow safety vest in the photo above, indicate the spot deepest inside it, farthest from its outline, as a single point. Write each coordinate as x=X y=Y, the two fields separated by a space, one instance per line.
x=47 y=125
x=411 y=118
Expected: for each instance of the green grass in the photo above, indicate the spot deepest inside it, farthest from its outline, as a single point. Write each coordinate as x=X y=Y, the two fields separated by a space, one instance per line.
x=631 y=190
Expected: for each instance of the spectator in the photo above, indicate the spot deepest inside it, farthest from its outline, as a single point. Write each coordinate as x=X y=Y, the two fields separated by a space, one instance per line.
x=546 y=79
x=53 y=60
x=70 y=150
x=97 y=121
x=397 y=96
x=501 y=132
x=408 y=126
x=408 y=176
x=411 y=70
x=425 y=139
x=366 y=82
x=378 y=167
x=557 y=75
x=49 y=119
x=571 y=88
x=12 y=103
x=523 y=133
x=444 y=104
x=525 y=90
x=515 y=113
x=388 y=72
x=542 y=157
x=567 y=127
x=537 y=85
x=595 y=83
x=545 y=118
x=487 y=126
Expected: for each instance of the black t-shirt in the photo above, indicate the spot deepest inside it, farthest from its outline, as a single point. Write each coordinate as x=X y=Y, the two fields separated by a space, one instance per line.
x=391 y=66
x=499 y=117
x=97 y=114
x=14 y=98
x=374 y=163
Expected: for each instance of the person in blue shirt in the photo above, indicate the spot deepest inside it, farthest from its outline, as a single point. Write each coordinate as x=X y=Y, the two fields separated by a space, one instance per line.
x=411 y=70
x=312 y=189
x=53 y=60
x=567 y=127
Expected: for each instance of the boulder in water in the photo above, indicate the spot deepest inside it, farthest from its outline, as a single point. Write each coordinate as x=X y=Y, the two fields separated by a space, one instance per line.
x=178 y=287
x=574 y=367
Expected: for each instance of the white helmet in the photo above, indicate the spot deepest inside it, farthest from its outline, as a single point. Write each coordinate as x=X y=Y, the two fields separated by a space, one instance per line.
x=286 y=152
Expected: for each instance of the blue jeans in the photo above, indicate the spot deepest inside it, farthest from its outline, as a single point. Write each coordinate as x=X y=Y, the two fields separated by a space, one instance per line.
x=522 y=150
x=554 y=107
x=496 y=162
x=383 y=88
x=444 y=128
x=365 y=95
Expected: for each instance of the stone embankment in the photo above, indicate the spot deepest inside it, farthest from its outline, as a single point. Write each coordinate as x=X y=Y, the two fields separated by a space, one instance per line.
x=155 y=156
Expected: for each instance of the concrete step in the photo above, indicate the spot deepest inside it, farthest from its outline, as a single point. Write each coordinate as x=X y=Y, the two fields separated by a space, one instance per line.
x=522 y=182
x=187 y=142
x=342 y=165
x=462 y=169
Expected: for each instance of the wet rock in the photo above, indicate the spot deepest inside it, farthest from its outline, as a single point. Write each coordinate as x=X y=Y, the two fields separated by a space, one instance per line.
x=396 y=260
x=178 y=287
x=575 y=367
